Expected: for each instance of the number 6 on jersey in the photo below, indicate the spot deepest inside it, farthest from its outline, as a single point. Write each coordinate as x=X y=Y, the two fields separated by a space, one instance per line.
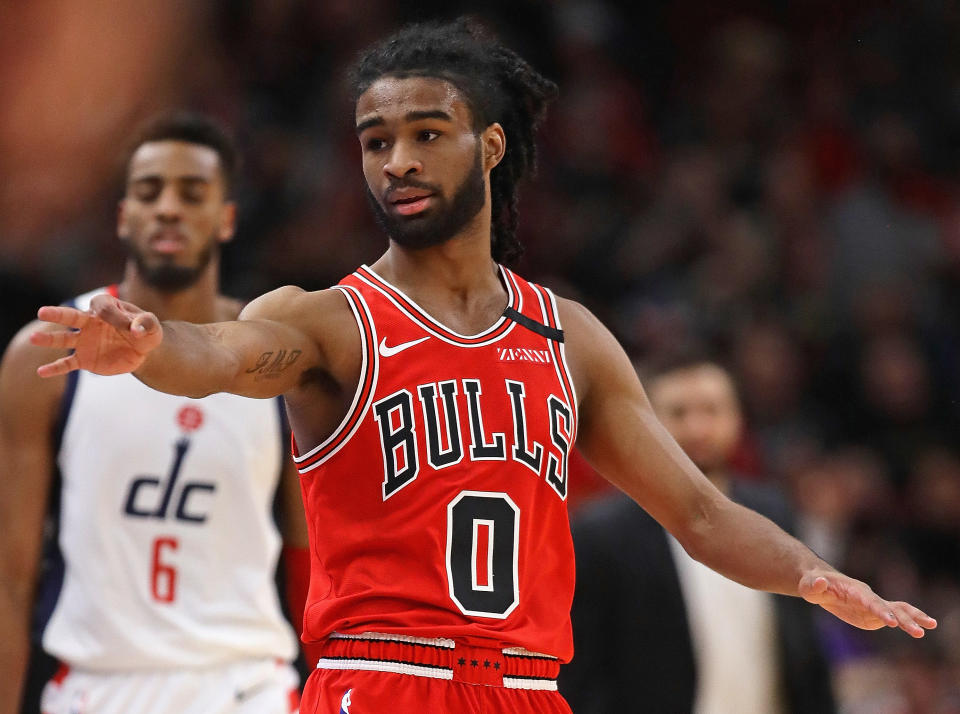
x=482 y=570
x=163 y=577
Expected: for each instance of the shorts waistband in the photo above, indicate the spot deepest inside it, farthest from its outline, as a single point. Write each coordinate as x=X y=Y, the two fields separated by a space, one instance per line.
x=440 y=658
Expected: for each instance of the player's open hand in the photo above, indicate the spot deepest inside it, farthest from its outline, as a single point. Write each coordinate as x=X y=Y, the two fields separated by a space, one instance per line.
x=112 y=337
x=855 y=603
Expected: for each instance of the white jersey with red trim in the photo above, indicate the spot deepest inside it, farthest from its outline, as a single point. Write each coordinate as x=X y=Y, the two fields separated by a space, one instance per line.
x=438 y=507
x=166 y=530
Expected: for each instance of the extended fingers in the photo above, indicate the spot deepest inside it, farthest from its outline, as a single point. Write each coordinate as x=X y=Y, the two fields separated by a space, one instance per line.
x=61 y=339
x=59 y=367
x=872 y=603
x=910 y=619
x=903 y=615
x=66 y=316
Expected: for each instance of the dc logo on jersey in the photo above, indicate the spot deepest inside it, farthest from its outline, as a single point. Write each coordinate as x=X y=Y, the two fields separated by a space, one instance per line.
x=151 y=497
x=345 y=703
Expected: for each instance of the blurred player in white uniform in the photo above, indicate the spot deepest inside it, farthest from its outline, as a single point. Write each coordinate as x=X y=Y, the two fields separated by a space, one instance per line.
x=160 y=593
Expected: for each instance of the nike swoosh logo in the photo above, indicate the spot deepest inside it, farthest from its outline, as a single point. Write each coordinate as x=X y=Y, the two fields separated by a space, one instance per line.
x=386 y=351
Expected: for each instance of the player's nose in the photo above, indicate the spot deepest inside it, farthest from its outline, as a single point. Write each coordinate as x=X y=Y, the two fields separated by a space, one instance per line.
x=402 y=161
x=168 y=205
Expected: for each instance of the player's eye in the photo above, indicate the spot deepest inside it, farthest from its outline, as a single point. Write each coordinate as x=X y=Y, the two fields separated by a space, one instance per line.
x=146 y=191
x=193 y=193
x=428 y=135
x=374 y=144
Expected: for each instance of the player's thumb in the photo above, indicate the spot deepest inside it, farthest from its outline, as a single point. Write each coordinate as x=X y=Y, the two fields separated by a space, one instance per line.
x=812 y=587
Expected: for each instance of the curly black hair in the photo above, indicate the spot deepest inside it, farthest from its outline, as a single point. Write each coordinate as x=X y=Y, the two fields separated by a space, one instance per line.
x=498 y=85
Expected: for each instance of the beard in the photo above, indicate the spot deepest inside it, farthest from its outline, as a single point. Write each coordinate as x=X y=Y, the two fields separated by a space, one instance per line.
x=165 y=275
x=438 y=224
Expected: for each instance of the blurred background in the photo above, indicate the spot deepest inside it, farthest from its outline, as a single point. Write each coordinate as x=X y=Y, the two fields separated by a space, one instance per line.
x=774 y=181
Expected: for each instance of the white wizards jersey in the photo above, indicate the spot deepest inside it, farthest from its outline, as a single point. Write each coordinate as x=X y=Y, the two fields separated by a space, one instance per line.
x=166 y=530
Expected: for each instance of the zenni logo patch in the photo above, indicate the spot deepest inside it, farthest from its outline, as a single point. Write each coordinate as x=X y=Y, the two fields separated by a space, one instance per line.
x=517 y=354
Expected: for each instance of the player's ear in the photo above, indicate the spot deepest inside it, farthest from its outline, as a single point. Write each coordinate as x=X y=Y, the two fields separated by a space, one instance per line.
x=494 y=145
x=228 y=221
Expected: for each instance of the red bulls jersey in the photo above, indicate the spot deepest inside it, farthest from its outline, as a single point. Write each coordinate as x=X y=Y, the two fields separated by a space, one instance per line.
x=437 y=509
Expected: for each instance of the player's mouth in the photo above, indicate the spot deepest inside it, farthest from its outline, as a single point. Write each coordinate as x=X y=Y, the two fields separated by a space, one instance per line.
x=410 y=201
x=168 y=241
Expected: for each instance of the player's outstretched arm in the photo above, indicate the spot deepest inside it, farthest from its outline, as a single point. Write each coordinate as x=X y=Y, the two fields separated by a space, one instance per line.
x=262 y=354
x=622 y=437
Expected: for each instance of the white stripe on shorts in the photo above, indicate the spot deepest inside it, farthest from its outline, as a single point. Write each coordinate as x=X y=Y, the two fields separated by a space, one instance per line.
x=524 y=683
x=379 y=665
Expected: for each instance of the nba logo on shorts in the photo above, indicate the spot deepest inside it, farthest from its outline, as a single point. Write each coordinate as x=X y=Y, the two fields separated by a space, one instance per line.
x=345 y=703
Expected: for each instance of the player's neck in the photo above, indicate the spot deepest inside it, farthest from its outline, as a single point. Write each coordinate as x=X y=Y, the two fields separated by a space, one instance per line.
x=457 y=283
x=458 y=267
x=461 y=264
x=197 y=303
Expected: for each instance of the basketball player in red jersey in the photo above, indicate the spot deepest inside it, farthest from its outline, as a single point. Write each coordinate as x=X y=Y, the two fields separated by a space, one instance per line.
x=434 y=398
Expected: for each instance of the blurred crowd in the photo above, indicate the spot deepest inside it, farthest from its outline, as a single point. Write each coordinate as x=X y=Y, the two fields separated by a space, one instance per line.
x=776 y=182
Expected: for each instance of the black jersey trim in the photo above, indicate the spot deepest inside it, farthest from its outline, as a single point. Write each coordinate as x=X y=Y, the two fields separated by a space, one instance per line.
x=551 y=333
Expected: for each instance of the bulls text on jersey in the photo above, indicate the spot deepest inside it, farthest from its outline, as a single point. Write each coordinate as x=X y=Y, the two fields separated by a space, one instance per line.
x=446 y=440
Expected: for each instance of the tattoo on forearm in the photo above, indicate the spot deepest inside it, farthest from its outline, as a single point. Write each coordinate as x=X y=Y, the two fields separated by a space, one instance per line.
x=272 y=364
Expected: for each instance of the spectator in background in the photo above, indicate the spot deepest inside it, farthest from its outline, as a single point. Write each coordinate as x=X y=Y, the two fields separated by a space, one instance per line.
x=653 y=625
